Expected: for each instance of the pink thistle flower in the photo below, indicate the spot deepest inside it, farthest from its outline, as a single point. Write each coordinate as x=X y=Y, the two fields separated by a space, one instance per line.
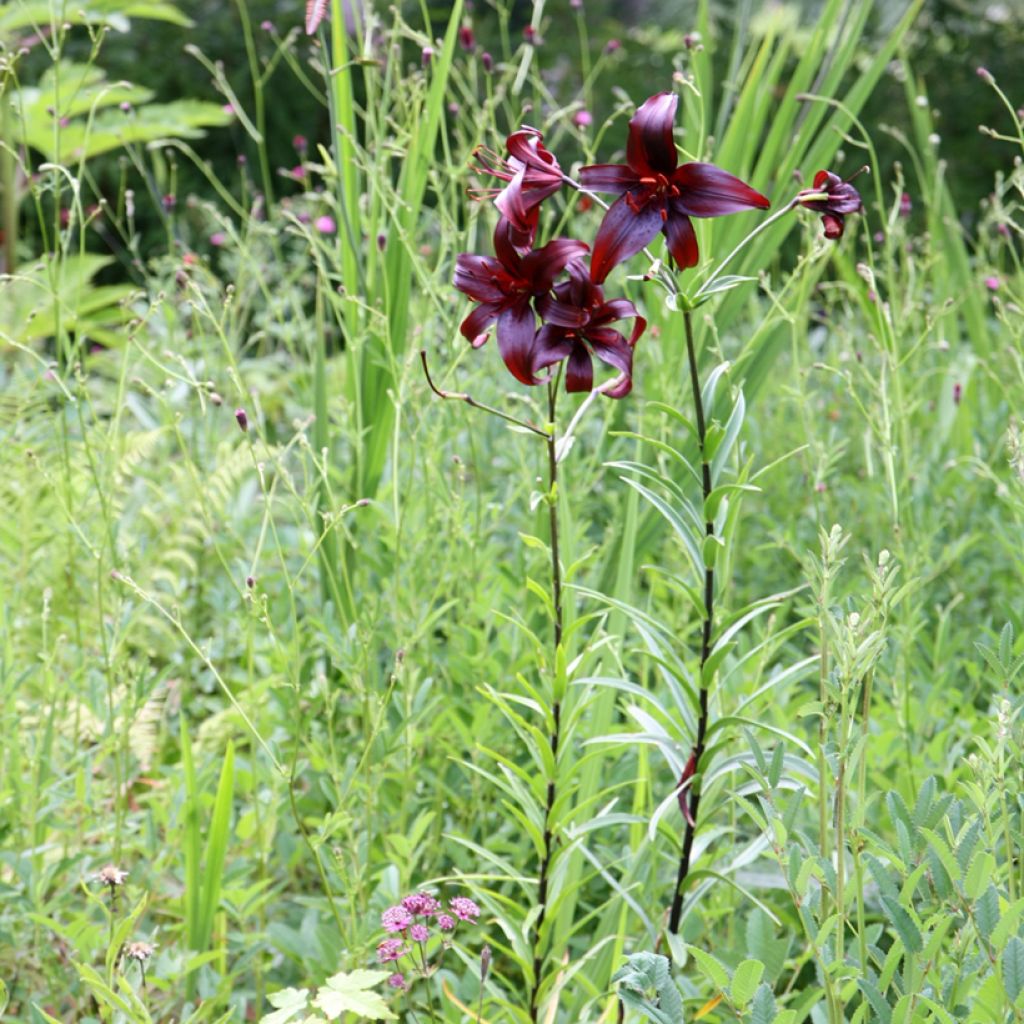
x=582 y=119
x=301 y=143
x=464 y=909
x=390 y=950
x=395 y=919
x=419 y=933
x=445 y=923
x=325 y=225
x=992 y=283
x=218 y=238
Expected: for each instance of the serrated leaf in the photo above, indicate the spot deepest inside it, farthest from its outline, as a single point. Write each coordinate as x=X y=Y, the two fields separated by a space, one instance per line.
x=1011 y=964
x=745 y=981
x=903 y=923
x=883 y=1011
x=714 y=970
x=762 y=1009
x=351 y=993
x=979 y=873
x=986 y=911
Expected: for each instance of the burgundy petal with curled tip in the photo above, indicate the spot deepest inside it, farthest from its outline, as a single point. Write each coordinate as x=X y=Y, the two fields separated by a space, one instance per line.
x=707 y=191
x=626 y=229
x=650 y=149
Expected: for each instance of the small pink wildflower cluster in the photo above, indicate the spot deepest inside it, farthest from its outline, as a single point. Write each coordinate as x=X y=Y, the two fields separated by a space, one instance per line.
x=411 y=921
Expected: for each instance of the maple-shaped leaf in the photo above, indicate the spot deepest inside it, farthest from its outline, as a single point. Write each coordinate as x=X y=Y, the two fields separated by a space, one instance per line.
x=287 y=1003
x=351 y=992
x=316 y=11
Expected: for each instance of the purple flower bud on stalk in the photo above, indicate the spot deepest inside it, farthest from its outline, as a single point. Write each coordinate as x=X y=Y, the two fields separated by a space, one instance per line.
x=612 y=45
x=466 y=38
x=958 y=391
x=242 y=420
x=986 y=76
x=427 y=55
x=267 y=26
x=487 y=61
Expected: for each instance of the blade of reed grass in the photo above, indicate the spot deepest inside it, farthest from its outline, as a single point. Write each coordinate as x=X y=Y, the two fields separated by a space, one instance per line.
x=190 y=840
x=216 y=848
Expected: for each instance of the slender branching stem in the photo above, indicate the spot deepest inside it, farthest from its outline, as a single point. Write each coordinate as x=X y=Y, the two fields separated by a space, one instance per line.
x=685 y=858
x=461 y=396
x=544 y=872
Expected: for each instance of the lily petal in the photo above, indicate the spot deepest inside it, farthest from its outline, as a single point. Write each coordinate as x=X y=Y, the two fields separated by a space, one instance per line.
x=681 y=238
x=612 y=348
x=608 y=177
x=650 y=147
x=542 y=266
x=475 y=276
x=561 y=314
x=833 y=225
x=474 y=328
x=708 y=191
x=579 y=371
x=550 y=346
x=516 y=330
x=623 y=233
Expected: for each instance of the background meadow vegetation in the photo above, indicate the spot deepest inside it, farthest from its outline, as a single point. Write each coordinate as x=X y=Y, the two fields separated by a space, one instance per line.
x=274 y=618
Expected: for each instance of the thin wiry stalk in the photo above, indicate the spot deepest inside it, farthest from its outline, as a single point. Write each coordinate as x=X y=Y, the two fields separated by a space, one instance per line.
x=685 y=857
x=544 y=872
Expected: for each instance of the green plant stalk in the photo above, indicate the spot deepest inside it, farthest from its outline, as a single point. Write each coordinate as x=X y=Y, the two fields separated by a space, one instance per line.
x=544 y=872
x=858 y=864
x=259 y=101
x=675 y=915
x=8 y=175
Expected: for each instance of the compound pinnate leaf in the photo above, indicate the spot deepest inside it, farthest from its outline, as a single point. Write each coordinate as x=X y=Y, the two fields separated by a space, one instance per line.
x=350 y=993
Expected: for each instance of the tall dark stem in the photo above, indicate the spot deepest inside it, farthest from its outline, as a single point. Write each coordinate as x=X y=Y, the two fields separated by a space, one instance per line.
x=544 y=872
x=705 y=649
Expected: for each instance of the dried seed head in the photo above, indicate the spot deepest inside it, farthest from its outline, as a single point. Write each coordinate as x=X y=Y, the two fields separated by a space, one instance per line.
x=140 y=952
x=111 y=876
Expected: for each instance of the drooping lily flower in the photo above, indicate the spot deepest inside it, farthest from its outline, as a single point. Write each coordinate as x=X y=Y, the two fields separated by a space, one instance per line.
x=505 y=285
x=656 y=194
x=576 y=327
x=532 y=173
x=840 y=199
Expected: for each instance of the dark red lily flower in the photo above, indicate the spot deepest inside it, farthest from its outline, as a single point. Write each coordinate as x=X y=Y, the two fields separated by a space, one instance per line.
x=656 y=194
x=576 y=327
x=532 y=173
x=505 y=285
x=840 y=199
x=683 y=789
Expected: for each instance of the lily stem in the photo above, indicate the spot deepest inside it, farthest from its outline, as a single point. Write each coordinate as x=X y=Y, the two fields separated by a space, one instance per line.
x=544 y=872
x=676 y=912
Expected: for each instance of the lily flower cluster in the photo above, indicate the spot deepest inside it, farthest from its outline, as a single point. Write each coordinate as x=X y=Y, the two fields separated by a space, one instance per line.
x=547 y=303
x=410 y=923
x=556 y=282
